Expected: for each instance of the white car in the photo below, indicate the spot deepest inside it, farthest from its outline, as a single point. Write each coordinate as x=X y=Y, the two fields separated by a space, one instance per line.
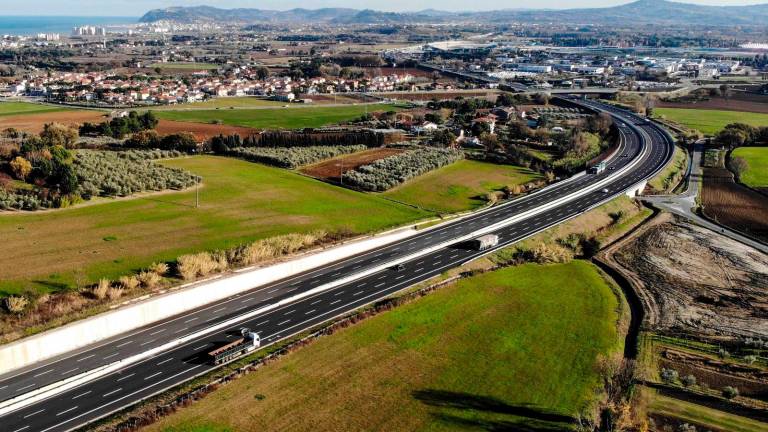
x=605 y=191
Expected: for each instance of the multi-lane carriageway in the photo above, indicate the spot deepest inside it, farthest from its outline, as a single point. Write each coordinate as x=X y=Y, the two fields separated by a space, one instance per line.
x=644 y=151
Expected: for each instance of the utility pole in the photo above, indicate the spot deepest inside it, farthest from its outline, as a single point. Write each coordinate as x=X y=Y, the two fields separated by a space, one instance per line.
x=197 y=193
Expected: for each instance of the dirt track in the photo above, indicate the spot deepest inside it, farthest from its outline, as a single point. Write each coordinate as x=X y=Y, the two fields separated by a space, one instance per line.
x=695 y=281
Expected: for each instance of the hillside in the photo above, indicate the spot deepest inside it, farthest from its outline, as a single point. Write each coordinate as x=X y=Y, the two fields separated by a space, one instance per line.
x=638 y=12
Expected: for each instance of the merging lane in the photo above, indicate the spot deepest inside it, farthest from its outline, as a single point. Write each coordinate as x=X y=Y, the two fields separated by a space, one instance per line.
x=102 y=396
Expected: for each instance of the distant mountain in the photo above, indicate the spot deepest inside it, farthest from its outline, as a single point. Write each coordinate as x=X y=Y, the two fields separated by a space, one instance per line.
x=638 y=12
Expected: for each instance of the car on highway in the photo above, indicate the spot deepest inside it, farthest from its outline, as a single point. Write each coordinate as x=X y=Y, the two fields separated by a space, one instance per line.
x=605 y=191
x=399 y=267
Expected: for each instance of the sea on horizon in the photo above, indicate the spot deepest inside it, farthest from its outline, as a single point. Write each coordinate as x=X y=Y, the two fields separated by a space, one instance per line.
x=33 y=25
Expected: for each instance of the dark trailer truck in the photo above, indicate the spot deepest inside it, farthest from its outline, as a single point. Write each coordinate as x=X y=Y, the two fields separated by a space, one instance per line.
x=249 y=342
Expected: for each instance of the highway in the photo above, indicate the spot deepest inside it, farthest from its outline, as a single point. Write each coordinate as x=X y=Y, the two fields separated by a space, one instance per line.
x=642 y=144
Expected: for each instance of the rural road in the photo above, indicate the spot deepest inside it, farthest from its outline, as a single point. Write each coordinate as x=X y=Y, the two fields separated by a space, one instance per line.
x=684 y=204
x=643 y=144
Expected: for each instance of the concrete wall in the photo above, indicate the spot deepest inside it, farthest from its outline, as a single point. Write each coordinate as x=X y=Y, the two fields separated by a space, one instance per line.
x=85 y=332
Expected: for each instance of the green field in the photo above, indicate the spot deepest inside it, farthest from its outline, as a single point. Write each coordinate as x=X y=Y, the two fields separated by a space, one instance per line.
x=15 y=108
x=704 y=416
x=757 y=161
x=710 y=122
x=286 y=118
x=513 y=349
x=184 y=65
x=459 y=186
x=224 y=103
x=240 y=201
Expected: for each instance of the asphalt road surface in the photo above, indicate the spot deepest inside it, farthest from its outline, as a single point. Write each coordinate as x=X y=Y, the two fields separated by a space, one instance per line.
x=100 y=397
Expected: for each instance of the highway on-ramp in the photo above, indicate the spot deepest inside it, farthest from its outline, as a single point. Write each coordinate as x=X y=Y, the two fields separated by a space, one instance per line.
x=643 y=152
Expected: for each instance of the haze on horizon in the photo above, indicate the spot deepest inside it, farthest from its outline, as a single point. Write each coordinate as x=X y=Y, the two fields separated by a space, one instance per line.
x=139 y=7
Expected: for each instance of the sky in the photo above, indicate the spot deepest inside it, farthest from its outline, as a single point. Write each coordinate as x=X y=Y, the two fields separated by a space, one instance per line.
x=139 y=7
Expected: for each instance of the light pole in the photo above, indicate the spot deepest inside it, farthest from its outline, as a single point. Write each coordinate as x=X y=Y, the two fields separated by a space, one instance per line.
x=197 y=192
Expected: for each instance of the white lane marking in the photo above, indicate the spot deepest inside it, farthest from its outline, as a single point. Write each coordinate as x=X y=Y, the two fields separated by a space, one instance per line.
x=71 y=370
x=218 y=310
x=21 y=429
x=3 y=387
x=157 y=332
x=437 y=263
x=307 y=313
x=334 y=302
x=124 y=344
x=247 y=299
x=149 y=341
x=34 y=413
x=419 y=269
x=112 y=392
x=43 y=373
x=181 y=330
x=399 y=277
x=262 y=323
x=338 y=293
x=110 y=356
x=190 y=320
x=289 y=312
x=165 y=361
x=200 y=347
x=27 y=386
x=357 y=293
x=126 y=377
x=281 y=323
x=152 y=376
x=66 y=411
x=378 y=285
x=274 y=290
x=87 y=357
x=315 y=302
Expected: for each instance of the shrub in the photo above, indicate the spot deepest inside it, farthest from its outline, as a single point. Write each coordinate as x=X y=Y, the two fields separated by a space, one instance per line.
x=114 y=293
x=551 y=254
x=99 y=291
x=669 y=376
x=688 y=380
x=389 y=172
x=160 y=268
x=292 y=157
x=16 y=304
x=149 y=279
x=730 y=392
x=199 y=264
x=129 y=282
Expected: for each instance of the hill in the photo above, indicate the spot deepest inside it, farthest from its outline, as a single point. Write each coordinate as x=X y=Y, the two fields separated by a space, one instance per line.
x=638 y=12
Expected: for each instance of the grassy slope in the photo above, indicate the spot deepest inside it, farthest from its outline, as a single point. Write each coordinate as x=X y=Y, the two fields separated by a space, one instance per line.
x=459 y=186
x=757 y=161
x=505 y=349
x=679 y=163
x=16 y=108
x=704 y=416
x=710 y=121
x=240 y=201
x=289 y=118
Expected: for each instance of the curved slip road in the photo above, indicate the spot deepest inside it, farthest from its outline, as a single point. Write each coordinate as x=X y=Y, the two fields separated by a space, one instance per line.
x=642 y=143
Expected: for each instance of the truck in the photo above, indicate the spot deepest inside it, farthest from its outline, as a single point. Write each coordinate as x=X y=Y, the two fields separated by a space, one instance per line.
x=247 y=343
x=597 y=169
x=485 y=242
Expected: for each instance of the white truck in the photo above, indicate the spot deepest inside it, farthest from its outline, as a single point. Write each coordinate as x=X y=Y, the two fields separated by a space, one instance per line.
x=249 y=342
x=485 y=242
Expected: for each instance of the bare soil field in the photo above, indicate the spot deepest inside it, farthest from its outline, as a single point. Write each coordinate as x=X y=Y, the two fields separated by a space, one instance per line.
x=696 y=282
x=330 y=169
x=734 y=205
x=33 y=123
x=721 y=104
x=202 y=131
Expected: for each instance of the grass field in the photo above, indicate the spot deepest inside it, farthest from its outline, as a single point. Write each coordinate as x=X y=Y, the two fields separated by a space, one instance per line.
x=757 y=161
x=710 y=122
x=704 y=416
x=459 y=186
x=16 y=108
x=183 y=65
x=672 y=173
x=241 y=201
x=223 y=103
x=514 y=349
x=287 y=118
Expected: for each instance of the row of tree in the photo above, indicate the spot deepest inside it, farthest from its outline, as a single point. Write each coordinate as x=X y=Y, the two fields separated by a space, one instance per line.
x=222 y=144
